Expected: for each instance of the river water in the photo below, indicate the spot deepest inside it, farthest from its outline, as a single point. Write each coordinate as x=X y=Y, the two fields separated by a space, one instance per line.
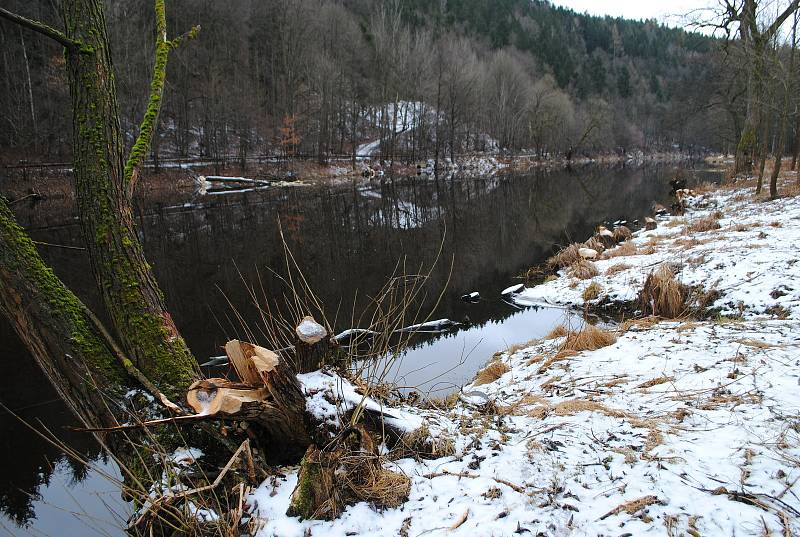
x=348 y=240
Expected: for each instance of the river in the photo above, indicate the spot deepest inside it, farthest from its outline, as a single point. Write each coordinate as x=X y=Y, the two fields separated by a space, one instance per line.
x=348 y=239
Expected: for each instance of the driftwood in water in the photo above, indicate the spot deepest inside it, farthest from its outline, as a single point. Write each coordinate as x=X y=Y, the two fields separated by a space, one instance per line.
x=269 y=398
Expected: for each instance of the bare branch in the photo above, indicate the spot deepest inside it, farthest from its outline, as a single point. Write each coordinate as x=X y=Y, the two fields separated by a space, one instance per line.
x=777 y=23
x=40 y=27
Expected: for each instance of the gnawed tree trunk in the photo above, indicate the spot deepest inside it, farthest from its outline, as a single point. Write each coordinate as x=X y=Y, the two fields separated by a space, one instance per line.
x=313 y=346
x=268 y=398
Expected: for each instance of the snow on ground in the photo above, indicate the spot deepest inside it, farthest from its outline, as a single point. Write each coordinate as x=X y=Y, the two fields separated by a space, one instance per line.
x=751 y=260
x=676 y=428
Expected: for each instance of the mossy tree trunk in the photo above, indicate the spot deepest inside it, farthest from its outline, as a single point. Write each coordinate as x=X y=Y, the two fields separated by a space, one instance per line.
x=56 y=328
x=152 y=350
x=104 y=186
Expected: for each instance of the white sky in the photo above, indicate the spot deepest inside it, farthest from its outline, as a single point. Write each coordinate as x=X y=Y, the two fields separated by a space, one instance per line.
x=667 y=11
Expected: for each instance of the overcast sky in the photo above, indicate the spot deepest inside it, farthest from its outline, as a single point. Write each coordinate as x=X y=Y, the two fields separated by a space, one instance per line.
x=663 y=11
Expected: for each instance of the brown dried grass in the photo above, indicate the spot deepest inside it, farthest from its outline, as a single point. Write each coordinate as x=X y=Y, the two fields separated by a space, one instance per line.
x=708 y=223
x=595 y=245
x=624 y=249
x=592 y=291
x=675 y=222
x=565 y=257
x=560 y=356
x=491 y=373
x=583 y=270
x=663 y=295
x=558 y=331
x=588 y=338
x=655 y=382
x=519 y=346
x=622 y=234
x=420 y=443
x=616 y=268
x=644 y=322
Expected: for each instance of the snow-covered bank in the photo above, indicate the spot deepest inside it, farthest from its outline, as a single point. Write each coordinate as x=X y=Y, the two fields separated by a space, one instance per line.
x=751 y=260
x=669 y=428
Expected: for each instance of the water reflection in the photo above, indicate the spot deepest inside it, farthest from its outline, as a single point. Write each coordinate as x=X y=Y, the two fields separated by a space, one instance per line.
x=348 y=240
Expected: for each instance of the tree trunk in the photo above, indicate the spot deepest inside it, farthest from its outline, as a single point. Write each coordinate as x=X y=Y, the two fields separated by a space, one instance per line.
x=796 y=152
x=103 y=192
x=313 y=347
x=55 y=327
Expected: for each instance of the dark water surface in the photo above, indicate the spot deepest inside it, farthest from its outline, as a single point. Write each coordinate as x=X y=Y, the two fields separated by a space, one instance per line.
x=348 y=240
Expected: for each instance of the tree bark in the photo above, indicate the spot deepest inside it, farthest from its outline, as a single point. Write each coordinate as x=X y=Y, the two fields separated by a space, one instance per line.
x=103 y=192
x=54 y=326
x=313 y=346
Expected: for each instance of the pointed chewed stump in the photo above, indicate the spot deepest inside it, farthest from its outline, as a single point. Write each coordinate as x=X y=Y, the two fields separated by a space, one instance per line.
x=269 y=398
x=313 y=346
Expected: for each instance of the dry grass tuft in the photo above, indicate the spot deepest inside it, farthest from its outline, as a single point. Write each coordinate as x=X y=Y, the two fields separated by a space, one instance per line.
x=595 y=245
x=372 y=483
x=592 y=291
x=616 y=268
x=675 y=222
x=663 y=295
x=655 y=382
x=558 y=331
x=709 y=223
x=644 y=322
x=589 y=338
x=560 y=356
x=574 y=406
x=632 y=507
x=583 y=270
x=519 y=346
x=624 y=249
x=757 y=344
x=622 y=234
x=565 y=257
x=535 y=359
x=526 y=401
x=491 y=373
x=420 y=443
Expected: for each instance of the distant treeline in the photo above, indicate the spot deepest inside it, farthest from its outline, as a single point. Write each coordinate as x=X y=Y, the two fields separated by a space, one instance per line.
x=409 y=80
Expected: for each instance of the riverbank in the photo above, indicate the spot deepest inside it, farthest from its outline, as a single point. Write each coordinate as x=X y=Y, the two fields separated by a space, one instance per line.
x=176 y=177
x=665 y=428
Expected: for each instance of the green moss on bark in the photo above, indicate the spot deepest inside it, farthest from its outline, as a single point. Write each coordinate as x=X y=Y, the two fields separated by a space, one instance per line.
x=19 y=254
